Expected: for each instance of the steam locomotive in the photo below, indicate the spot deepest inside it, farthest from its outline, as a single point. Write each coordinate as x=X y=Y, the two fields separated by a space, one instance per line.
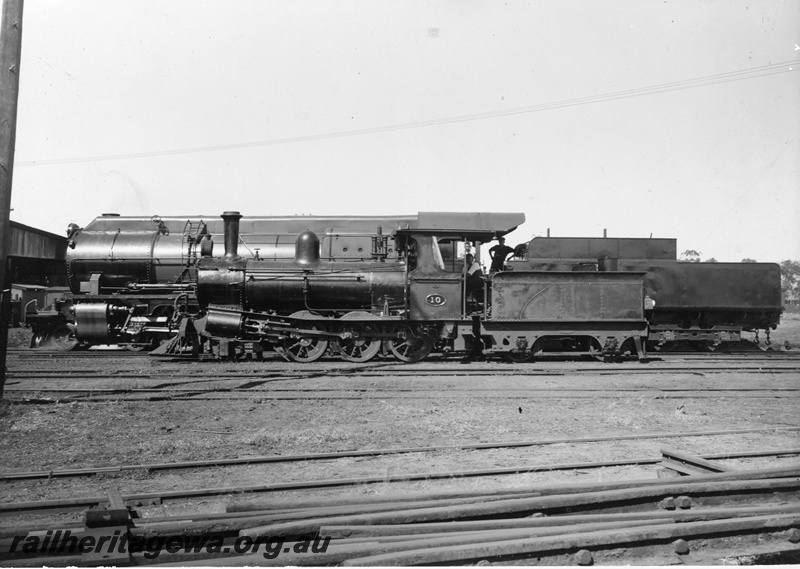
x=133 y=279
x=360 y=291
x=417 y=302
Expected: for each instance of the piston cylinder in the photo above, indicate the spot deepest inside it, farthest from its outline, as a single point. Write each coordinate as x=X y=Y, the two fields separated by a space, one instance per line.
x=224 y=323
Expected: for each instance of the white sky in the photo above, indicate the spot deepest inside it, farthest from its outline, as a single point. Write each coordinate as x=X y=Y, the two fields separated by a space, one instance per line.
x=117 y=96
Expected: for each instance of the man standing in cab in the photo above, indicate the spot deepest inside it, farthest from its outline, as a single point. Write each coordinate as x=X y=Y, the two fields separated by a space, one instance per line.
x=498 y=253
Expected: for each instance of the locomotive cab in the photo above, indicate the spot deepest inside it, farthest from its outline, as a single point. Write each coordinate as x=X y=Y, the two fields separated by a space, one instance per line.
x=438 y=288
x=436 y=277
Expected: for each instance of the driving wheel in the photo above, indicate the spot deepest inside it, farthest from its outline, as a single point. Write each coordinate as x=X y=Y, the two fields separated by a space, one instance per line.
x=305 y=349
x=359 y=347
x=414 y=347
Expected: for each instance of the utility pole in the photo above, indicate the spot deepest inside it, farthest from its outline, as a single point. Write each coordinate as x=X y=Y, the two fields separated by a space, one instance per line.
x=10 y=52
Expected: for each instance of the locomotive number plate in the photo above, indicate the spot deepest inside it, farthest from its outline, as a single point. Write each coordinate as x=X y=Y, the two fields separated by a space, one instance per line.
x=436 y=299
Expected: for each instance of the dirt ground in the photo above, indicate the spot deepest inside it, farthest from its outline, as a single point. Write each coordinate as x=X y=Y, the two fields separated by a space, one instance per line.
x=566 y=400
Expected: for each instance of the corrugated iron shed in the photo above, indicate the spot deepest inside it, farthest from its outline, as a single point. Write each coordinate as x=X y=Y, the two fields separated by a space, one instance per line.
x=32 y=243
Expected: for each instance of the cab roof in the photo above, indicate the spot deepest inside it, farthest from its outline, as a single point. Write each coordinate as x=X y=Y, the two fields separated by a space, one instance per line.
x=475 y=225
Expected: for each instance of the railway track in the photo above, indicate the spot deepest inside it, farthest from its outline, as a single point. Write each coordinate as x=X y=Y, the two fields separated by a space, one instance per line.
x=116 y=354
x=119 y=395
x=453 y=526
x=442 y=427
x=350 y=482
x=70 y=472
x=40 y=385
x=445 y=368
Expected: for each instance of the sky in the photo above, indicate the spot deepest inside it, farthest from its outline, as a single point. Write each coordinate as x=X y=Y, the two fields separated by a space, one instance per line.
x=667 y=118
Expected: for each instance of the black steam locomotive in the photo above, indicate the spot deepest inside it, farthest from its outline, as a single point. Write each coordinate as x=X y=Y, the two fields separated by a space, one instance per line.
x=603 y=297
x=418 y=301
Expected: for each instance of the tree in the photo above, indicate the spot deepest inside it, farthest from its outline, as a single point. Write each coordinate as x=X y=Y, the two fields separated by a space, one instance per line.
x=748 y=260
x=790 y=279
x=690 y=256
x=711 y=260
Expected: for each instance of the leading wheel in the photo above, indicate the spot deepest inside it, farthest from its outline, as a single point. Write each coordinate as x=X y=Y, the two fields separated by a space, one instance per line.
x=359 y=347
x=414 y=347
x=305 y=349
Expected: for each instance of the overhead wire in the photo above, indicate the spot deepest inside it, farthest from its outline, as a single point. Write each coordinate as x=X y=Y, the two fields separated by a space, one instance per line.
x=720 y=78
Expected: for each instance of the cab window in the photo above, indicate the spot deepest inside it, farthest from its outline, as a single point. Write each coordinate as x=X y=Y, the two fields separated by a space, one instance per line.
x=449 y=254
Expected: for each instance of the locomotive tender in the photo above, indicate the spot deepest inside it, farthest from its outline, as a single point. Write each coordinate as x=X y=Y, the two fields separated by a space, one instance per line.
x=703 y=303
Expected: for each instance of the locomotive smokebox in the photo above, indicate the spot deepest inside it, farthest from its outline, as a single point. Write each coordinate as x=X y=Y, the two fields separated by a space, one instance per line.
x=231 y=228
x=306 y=248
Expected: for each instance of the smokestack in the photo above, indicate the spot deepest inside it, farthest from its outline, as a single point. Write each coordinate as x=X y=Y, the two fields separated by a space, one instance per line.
x=231 y=219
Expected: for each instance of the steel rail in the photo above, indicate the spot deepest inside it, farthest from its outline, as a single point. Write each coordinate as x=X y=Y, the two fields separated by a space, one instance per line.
x=658 y=357
x=279 y=368
x=440 y=528
x=599 y=370
x=474 y=368
x=177 y=524
x=370 y=540
x=28 y=353
x=437 y=552
x=231 y=395
x=554 y=503
x=389 y=373
x=450 y=390
x=791 y=471
x=9 y=476
x=431 y=372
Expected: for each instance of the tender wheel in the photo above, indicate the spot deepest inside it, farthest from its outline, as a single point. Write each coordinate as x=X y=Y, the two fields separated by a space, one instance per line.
x=518 y=357
x=305 y=349
x=359 y=348
x=666 y=347
x=63 y=338
x=415 y=347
